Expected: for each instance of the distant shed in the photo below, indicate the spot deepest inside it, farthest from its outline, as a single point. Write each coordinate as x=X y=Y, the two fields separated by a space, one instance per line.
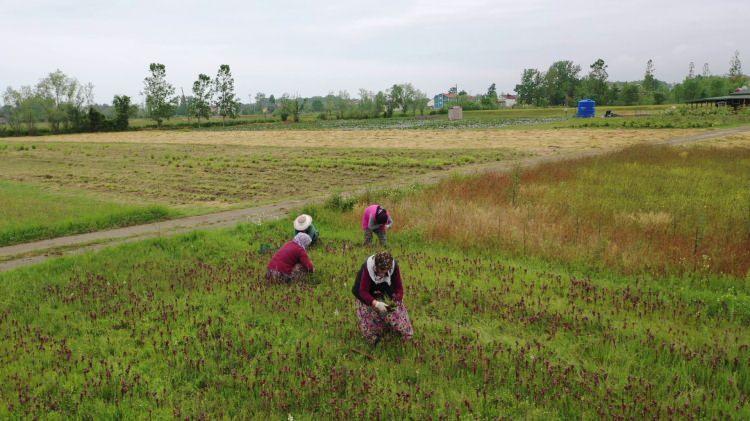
x=737 y=99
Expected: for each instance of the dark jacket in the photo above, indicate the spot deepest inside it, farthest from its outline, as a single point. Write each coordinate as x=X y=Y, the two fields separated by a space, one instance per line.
x=366 y=290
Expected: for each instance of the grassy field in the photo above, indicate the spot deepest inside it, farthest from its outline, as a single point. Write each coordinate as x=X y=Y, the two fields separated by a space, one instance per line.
x=197 y=172
x=206 y=177
x=187 y=327
x=653 y=116
x=661 y=211
x=29 y=213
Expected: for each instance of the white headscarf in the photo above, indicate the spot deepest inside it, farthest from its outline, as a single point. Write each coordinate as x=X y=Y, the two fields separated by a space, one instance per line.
x=303 y=240
x=376 y=279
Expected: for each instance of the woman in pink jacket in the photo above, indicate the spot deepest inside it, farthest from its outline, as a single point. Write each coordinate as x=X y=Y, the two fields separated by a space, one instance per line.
x=376 y=219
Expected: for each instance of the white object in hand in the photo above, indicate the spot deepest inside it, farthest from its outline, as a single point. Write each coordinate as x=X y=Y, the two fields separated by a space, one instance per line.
x=380 y=306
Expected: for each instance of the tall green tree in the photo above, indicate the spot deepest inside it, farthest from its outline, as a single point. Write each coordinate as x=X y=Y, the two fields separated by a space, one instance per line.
x=226 y=101
x=161 y=101
x=408 y=98
x=123 y=110
x=595 y=84
x=561 y=82
x=395 y=99
x=203 y=94
x=528 y=89
x=61 y=97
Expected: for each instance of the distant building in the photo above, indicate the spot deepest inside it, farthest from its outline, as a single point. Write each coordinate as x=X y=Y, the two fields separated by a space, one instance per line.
x=739 y=98
x=507 y=100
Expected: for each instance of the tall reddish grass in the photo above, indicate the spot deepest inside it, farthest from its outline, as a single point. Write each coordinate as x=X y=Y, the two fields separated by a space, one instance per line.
x=659 y=210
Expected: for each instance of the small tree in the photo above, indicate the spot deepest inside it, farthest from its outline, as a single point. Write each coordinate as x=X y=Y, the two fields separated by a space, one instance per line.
x=395 y=99
x=735 y=68
x=121 y=104
x=380 y=103
x=649 y=81
x=420 y=101
x=202 y=96
x=408 y=98
x=161 y=101
x=226 y=101
x=489 y=100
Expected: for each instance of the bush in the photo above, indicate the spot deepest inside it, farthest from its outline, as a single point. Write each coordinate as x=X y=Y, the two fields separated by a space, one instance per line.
x=339 y=203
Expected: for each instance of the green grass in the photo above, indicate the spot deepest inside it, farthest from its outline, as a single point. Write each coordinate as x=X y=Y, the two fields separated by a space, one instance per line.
x=30 y=213
x=640 y=116
x=187 y=327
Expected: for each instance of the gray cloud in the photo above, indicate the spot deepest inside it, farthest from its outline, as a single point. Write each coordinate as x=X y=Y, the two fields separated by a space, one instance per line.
x=312 y=48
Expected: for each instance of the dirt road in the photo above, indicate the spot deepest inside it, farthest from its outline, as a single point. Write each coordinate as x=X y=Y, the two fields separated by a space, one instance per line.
x=35 y=252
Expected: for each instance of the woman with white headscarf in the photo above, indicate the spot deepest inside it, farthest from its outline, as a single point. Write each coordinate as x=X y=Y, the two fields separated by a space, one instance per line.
x=378 y=280
x=291 y=262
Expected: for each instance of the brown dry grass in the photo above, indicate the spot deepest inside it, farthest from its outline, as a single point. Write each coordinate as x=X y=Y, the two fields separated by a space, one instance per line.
x=660 y=210
x=534 y=141
x=739 y=140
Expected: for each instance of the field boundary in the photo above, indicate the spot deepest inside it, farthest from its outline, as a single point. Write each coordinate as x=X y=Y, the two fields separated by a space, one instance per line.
x=19 y=255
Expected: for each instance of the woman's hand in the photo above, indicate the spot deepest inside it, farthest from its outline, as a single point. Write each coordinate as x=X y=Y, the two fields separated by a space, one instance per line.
x=379 y=306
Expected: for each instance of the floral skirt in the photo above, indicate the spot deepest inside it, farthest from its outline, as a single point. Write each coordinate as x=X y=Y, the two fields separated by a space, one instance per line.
x=373 y=324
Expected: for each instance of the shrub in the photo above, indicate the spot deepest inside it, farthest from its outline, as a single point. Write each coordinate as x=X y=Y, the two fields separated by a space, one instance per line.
x=339 y=203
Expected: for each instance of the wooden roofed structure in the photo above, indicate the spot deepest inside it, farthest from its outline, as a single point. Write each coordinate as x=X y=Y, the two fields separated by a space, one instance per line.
x=737 y=99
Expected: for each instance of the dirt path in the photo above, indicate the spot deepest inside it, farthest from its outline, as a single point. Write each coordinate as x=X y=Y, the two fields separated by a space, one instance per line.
x=35 y=252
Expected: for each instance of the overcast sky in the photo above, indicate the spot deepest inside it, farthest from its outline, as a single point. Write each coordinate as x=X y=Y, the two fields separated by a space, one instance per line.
x=312 y=48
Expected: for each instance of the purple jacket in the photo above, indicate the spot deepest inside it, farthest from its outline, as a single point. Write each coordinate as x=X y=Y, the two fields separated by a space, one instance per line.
x=368 y=219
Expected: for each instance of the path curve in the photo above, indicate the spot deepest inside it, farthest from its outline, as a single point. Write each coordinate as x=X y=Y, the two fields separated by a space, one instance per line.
x=25 y=254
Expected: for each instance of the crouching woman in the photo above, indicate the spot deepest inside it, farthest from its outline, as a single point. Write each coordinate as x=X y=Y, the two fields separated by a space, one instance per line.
x=378 y=280
x=291 y=262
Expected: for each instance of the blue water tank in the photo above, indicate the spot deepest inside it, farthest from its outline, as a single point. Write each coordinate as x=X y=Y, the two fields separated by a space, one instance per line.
x=586 y=108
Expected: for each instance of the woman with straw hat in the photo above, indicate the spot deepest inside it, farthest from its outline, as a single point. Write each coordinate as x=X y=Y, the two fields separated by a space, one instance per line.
x=304 y=223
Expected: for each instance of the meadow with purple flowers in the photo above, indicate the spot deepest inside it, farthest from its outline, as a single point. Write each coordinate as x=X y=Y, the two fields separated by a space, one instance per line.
x=187 y=327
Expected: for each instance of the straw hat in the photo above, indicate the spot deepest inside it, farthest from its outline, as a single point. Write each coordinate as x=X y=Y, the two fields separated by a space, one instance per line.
x=302 y=222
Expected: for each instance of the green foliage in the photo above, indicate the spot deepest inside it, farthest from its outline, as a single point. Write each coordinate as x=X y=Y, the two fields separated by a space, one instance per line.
x=339 y=203
x=561 y=82
x=161 y=101
x=202 y=97
x=631 y=94
x=123 y=110
x=226 y=101
x=97 y=122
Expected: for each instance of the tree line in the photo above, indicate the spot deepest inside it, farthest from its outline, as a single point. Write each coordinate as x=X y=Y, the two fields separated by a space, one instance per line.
x=562 y=84
x=65 y=104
